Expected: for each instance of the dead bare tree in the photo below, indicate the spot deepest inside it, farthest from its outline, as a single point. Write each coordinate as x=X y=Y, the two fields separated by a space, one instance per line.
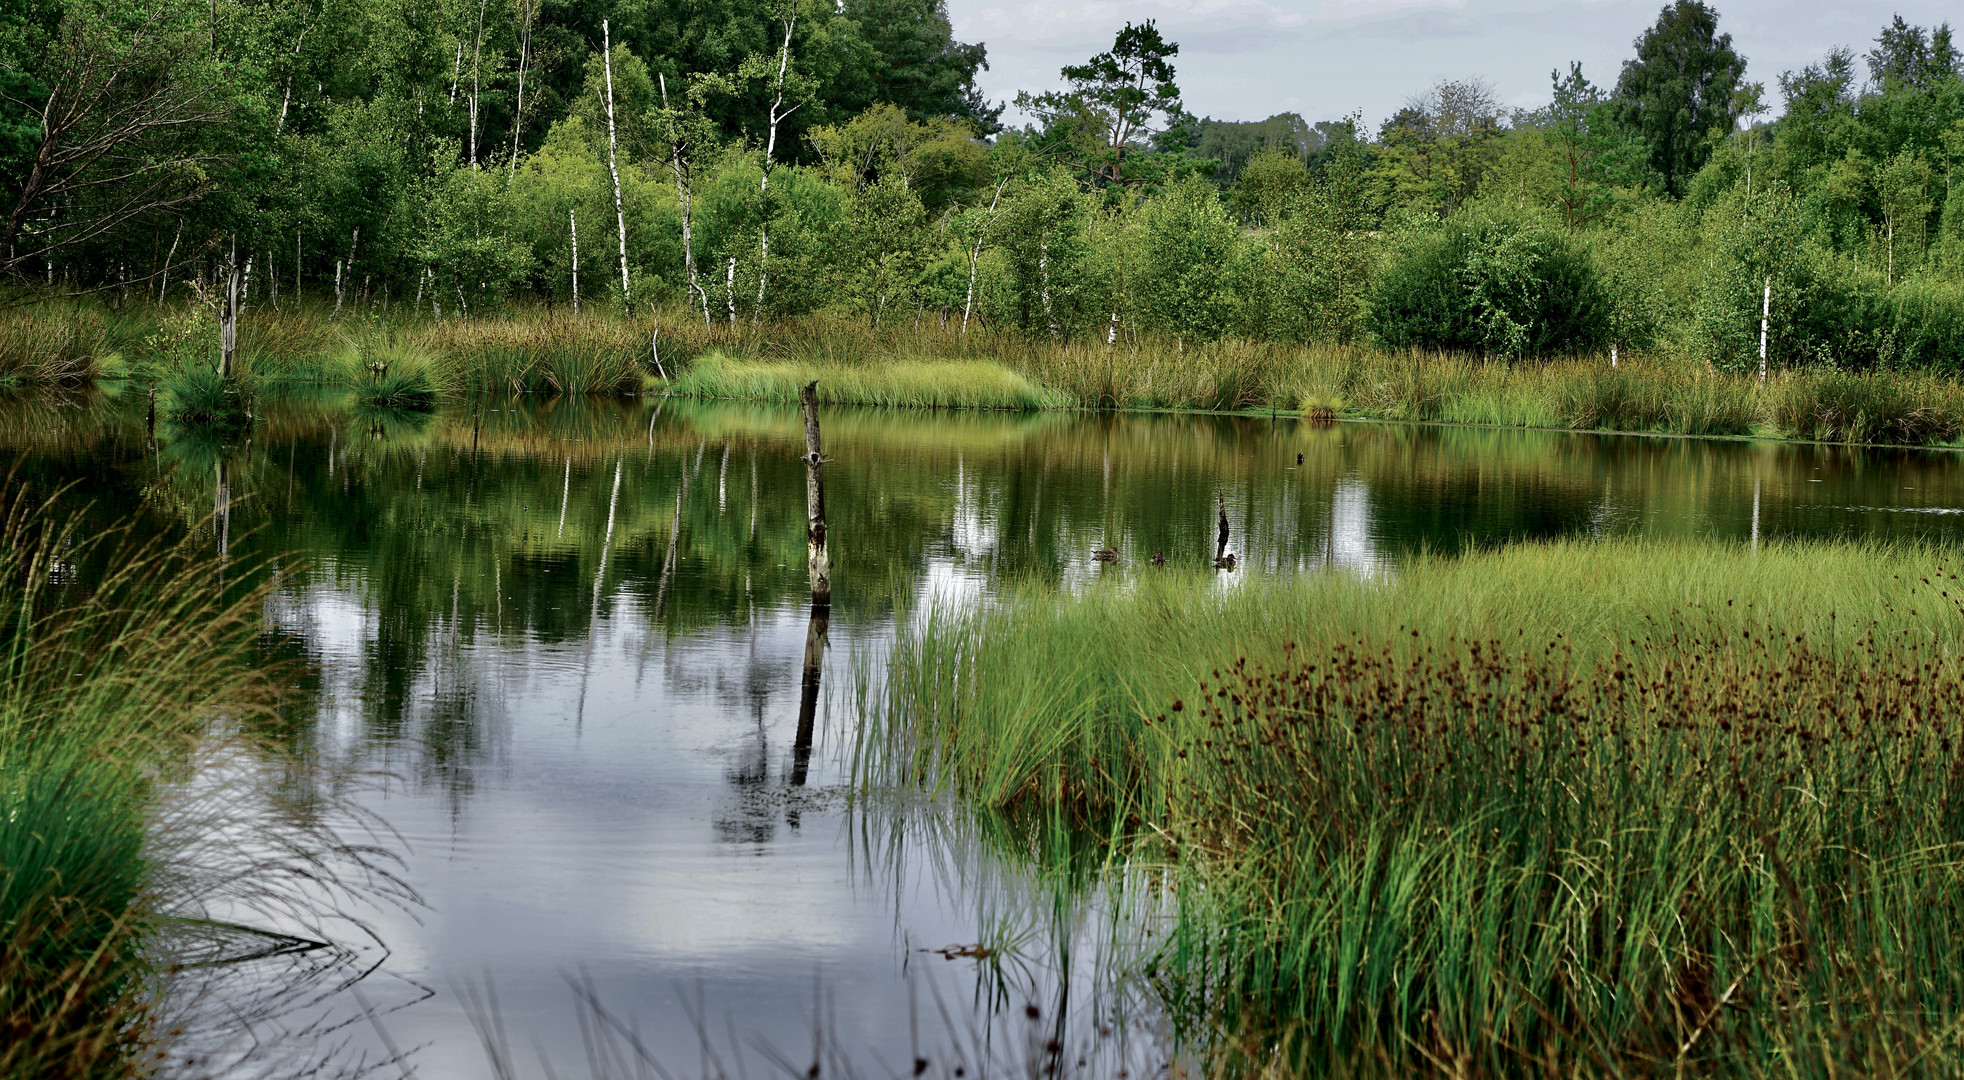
x=126 y=100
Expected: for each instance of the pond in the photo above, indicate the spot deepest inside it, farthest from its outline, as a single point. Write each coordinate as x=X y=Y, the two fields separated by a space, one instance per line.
x=557 y=649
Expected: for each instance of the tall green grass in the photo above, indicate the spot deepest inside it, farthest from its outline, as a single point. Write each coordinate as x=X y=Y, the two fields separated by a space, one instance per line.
x=971 y=384
x=1631 y=808
x=119 y=652
x=53 y=343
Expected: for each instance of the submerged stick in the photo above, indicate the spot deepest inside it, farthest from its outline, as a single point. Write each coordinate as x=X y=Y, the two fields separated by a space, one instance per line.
x=820 y=562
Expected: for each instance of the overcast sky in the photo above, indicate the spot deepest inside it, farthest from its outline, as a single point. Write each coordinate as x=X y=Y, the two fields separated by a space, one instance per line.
x=1250 y=59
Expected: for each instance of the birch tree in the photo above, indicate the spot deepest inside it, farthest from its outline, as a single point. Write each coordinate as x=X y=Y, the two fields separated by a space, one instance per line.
x=614 y=168
x=790 y=90
x=689 y=131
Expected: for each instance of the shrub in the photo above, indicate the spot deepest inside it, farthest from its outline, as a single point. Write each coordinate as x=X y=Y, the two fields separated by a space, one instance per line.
x=1503 y=284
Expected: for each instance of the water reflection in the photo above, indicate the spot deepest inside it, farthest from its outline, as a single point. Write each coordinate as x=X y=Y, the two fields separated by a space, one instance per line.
x=578 y=635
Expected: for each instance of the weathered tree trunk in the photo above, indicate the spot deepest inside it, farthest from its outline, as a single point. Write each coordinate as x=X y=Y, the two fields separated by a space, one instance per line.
x=228 y=318
x=819 y=561
x=613 y=165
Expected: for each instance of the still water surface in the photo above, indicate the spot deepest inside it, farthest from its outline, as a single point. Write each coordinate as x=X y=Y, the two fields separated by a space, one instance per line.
x=558 y=648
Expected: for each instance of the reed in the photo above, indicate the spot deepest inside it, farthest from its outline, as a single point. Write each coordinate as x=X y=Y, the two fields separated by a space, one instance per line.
x=1588 y=809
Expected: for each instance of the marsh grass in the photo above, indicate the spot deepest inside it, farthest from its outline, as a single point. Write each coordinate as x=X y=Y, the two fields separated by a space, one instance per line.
x=932 y=362
x=921 y=384
x=1620 y=808
x=53 y=344
x=119 y=651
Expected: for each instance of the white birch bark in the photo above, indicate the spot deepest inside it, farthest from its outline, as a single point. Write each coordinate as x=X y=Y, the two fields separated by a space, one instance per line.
x=518 y=103
x=676 y=152
x=975 y=255
x=573 y=228
x=777 y=115
x=613 y=166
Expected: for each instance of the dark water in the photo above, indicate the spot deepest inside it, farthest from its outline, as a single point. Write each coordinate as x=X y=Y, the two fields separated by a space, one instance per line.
x=558 y=647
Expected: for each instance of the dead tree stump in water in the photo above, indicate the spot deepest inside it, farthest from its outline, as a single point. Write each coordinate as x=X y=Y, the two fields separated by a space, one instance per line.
x=820 y=562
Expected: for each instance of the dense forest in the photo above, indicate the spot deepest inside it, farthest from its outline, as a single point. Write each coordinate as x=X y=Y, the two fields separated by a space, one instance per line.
x=752 y=161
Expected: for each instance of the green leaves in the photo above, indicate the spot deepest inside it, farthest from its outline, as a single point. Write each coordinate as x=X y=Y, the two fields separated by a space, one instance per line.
x=1120 y=106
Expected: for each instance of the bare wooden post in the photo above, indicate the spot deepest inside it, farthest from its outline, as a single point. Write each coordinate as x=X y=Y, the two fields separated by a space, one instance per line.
x=821 y=563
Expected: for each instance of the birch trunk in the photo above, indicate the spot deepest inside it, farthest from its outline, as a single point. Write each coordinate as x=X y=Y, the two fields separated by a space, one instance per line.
x=676 y=152
x=163 y=289
x=573 y=227
x=477 y=57
x=518 y=103
x=975 y=255
x=777 y=115
x=613 y=166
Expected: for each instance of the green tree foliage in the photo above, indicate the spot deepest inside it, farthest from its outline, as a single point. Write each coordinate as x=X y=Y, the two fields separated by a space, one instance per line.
x=1434 y=152
x=1042 y=236
x=1186 y=239
x=1120 y=107
x=1909 y=56
x=1599 y=161
x=1233 y=145
x=1310 y=270
x=1502 y=283
x=1679 y=89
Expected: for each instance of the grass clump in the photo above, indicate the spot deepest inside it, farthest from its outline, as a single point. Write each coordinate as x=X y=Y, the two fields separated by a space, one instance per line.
x=1622 y=808
x=920 y=384
x=391 y=375
x=201 y=397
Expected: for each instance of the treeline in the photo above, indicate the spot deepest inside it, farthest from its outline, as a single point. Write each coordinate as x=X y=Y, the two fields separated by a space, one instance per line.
x=752 y=162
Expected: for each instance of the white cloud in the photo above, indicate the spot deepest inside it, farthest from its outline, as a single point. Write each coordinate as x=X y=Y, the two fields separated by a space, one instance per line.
x=1247 y=59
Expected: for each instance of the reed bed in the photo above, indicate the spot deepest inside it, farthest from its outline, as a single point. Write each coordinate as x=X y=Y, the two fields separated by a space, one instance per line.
x=53 y=345
x=933 y=362
x=918 y=384
x=1633 y=808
